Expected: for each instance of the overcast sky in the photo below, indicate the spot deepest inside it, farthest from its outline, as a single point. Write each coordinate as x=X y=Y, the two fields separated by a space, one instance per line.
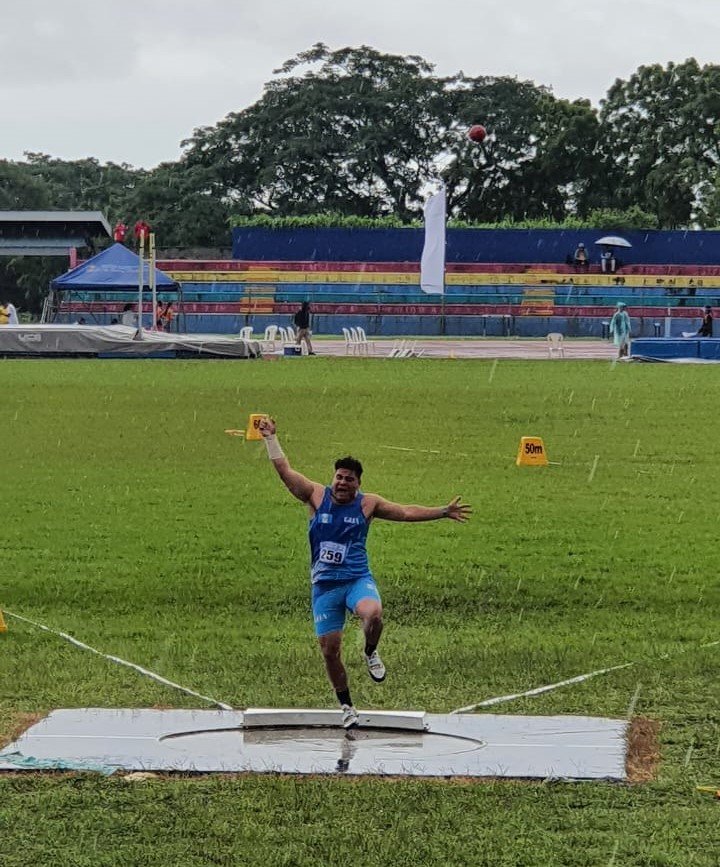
x=127 y=81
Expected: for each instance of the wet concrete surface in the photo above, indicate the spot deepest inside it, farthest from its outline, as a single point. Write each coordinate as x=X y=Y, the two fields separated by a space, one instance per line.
x=452 y=745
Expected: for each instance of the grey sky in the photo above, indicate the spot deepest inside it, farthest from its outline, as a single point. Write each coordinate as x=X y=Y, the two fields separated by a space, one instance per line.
x=127 y=81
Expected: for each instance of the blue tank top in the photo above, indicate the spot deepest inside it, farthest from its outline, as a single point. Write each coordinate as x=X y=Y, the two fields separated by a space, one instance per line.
x=337 y=541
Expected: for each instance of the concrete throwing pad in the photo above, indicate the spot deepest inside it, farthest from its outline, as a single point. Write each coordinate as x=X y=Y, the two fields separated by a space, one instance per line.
x=313 y=742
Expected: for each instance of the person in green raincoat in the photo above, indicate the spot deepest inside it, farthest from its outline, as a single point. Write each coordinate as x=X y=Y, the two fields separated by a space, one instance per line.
x=620 y=329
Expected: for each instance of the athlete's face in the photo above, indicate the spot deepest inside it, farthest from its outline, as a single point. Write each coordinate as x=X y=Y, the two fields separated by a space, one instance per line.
x=344 y=486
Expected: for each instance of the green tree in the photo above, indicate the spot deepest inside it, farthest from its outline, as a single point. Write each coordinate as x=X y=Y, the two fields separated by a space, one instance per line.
x=21 y=190
x=85 y=185
x=365 y=133
x=183 y=204
x=26 y=279
x=356 y=133
x=661 y=142
x=42 y=182
x=538 y=159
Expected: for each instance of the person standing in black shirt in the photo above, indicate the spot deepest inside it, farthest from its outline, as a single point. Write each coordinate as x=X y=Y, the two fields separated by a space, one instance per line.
x=301 y=321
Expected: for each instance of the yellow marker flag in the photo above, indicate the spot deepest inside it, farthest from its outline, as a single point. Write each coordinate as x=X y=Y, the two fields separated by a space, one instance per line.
x=252 y=432
x=531 y=453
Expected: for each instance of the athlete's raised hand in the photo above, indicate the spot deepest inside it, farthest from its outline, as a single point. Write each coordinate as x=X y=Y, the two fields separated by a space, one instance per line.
x=458 y=511
x=267 y=426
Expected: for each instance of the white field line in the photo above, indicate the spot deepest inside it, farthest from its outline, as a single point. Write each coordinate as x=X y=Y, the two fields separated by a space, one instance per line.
x=539 y=689
x=488 y=702
x=408 y=449
x=119 y=661
x=144 y=671
x=424 y=451
x=594 y=467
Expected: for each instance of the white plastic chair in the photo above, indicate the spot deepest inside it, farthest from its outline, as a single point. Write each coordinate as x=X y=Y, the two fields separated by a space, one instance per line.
x=246 y=332
x=287 y=336
x=555 y=344
x=397 y=347
x=270 y=337
x=350 y=342
x=363 y=344
x=404 y=349
x=355 y=336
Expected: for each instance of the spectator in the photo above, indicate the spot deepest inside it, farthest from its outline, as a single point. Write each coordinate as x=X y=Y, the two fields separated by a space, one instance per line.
x=706 y=329
x=301 y=320
x=580 y=257
x=129 y=316
x=165 y=316
x=620 y=329
x=142 y=232
x=12 y=313
x=608 y=262
x=4 y=314
x=119 y=232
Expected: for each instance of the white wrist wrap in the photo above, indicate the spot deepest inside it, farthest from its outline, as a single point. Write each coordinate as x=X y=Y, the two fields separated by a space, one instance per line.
x=274 y=450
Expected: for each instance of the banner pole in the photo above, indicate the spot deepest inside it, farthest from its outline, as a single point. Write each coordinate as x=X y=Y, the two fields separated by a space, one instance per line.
x=153 y=284
x=141 y=276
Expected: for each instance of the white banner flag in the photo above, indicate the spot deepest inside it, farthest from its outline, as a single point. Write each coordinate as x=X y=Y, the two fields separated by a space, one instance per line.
x=432 y=264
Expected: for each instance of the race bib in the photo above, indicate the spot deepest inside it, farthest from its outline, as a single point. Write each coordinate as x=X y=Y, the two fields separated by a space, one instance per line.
x=332 y=553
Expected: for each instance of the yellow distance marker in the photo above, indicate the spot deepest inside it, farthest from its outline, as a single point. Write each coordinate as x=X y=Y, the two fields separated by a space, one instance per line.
x=252 y=432
x=3 y=625
x=531 y=453
x=253 y=426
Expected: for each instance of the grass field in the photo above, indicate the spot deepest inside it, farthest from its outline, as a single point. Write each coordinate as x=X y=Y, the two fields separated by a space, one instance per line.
x=132 y=522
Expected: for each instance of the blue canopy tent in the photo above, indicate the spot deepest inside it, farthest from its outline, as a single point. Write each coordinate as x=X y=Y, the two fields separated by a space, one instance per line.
x=114 y=270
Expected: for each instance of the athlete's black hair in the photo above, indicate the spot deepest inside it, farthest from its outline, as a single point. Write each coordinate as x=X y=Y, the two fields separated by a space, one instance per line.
x=348 y=463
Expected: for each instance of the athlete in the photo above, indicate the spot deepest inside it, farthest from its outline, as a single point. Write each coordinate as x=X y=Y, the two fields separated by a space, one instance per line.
x=340 y=515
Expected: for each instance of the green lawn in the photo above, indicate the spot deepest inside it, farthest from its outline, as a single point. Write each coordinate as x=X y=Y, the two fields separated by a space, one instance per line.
x=132 y=522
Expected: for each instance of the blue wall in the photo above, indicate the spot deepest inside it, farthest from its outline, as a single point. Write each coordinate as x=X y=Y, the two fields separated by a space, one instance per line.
x=469 y=245
x=429 y=326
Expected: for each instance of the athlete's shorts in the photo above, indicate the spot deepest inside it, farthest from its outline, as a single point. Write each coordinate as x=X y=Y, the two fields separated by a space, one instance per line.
x=331 y=599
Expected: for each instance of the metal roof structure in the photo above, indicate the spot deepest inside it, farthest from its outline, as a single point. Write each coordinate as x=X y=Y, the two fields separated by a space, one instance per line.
x=49 y=233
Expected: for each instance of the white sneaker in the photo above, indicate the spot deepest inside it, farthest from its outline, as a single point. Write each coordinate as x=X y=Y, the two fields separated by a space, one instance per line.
x=376 y=669
x=350 y=717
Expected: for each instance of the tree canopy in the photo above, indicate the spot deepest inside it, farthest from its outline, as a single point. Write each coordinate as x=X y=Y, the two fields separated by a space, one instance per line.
x=356 y=133
x=661 y=142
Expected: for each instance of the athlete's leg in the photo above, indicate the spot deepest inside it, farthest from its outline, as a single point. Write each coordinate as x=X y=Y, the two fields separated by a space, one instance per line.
x=330 y=645
x=370 y=613
x=329 y=603
x=364 y=601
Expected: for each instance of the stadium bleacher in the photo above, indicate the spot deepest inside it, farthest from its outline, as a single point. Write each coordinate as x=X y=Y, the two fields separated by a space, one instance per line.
x=672 y=276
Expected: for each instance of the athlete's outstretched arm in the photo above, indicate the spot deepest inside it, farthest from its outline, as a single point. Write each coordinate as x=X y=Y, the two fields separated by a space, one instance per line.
x=298 y=484
x=455 y=510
